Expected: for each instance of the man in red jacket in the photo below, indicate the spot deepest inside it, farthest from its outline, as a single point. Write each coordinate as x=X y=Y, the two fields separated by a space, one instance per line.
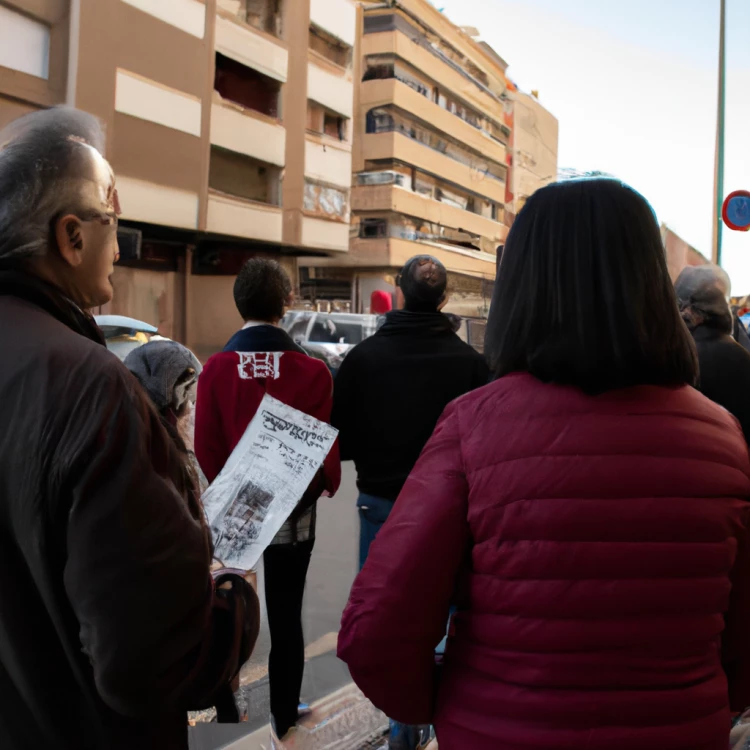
x=261 y=358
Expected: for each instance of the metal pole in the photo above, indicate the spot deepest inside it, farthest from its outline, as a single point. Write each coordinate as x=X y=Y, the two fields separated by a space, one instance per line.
x=720 y=118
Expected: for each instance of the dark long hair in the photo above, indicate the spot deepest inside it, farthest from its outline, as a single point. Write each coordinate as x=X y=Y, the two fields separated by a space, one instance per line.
x=583 y=296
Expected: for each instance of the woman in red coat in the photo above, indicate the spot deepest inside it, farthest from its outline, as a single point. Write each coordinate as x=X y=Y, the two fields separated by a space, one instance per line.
x=585 y=512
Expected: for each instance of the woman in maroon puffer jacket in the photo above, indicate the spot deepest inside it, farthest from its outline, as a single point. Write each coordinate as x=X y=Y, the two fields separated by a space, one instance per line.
x=585 y=512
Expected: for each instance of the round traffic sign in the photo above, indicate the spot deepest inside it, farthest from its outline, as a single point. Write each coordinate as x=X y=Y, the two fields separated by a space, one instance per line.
x=736 y=210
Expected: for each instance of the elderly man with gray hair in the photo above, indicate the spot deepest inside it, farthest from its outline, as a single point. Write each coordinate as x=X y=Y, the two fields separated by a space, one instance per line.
x=112 y=623
x=724 y=364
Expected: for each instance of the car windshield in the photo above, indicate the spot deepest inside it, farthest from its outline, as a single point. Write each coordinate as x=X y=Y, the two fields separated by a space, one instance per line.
x=295 y=324
x=333 y=329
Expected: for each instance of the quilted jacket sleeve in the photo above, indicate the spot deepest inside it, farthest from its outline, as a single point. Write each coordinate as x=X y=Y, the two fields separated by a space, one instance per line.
x=398 y=609
x=735 y=643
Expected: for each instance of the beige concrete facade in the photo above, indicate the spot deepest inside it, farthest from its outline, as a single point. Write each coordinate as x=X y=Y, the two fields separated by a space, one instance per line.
x=229 y=125
x=432 y=150
x=680 y=254
x=535 y=138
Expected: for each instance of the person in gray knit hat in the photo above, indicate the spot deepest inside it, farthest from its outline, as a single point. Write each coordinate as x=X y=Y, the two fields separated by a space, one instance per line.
x=169 y=372
x=724 y=364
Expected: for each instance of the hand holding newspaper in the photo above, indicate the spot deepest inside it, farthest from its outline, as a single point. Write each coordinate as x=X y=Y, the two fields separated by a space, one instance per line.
x=263 y=480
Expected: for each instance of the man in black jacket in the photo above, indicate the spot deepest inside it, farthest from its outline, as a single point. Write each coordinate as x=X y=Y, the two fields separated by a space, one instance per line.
x=111 y=626
x=392 y=388
x=724 y=363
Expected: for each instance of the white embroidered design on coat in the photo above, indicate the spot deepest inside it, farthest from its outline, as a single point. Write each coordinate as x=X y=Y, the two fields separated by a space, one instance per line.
x=259 y=365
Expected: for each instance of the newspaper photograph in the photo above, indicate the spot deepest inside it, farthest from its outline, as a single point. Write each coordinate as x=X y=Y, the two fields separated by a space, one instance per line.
x=264 y=480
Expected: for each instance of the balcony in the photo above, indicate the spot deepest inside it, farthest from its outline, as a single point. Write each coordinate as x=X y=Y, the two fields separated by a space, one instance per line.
x=243 y=218
x=246 y=132
x=157 y=204
x=244 y=196
x=328 y=161
x=252 y=48
x=389 y=198
x=336 y=17
x=377 y=92
x=393 y=253
x=333 y=92
x=397 y=146
x=445 y=75
x=325 y=235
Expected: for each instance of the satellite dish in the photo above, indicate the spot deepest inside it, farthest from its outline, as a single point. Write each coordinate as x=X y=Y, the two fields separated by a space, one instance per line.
x=736 y=211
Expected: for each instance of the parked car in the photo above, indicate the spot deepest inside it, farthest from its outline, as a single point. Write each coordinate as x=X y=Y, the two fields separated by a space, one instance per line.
x=124 y=334
x=328 y=336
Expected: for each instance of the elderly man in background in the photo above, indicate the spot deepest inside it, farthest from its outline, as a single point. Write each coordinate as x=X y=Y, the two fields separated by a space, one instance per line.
x=111 y=626
x=724 y=364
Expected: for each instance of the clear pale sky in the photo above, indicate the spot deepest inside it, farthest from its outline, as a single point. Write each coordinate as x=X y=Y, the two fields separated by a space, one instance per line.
x=633 y=86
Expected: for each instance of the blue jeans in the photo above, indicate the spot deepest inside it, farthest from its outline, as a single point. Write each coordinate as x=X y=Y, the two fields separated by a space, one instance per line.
x=373 y=513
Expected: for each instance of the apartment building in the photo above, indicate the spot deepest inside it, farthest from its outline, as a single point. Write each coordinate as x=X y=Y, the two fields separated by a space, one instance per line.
x=679 y=252
x=433 y=124
x=535 y=138
x=229 y=125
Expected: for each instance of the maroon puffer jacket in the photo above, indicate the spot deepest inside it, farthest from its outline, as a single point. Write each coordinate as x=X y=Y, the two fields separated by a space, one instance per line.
x=592 y=544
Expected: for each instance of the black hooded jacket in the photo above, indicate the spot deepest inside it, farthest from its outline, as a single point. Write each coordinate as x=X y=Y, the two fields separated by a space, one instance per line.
x=391 y=390
x=110 y=627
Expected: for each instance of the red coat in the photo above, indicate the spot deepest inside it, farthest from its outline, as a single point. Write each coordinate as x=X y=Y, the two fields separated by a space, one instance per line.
x=257 y=361
x=591 y=543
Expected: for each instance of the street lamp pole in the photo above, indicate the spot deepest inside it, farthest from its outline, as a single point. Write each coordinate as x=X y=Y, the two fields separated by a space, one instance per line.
x=719 y=158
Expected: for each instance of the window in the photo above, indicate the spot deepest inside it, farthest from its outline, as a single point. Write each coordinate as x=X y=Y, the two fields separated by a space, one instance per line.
x=379 y=68
x=379 y=121
x=24 y=44
x=260 y=14
x=382 y=178
x=334 y=126
x=330 y=329
x=315 y=117
x=323 y=122
x=296 y=325
x=243 y=177
x=329 y=47
x=247 y=87
x=373 y=228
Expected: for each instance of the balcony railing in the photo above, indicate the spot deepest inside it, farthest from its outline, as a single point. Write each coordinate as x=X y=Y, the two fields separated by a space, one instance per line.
x=385 y=120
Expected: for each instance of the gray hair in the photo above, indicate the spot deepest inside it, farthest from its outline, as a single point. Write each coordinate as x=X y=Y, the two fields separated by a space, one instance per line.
x=702 y=295
x=41 y=162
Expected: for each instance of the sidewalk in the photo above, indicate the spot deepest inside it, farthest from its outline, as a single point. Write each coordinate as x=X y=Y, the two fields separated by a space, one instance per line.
x=343 y=720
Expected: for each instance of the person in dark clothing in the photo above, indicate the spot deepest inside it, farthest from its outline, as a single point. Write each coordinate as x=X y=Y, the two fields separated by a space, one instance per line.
x=112 y=625
x=413 y=366
x=739 y=332
x=724 y=363
x=262 y=359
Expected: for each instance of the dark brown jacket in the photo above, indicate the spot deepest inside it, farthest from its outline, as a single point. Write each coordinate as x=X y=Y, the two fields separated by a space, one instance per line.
x=110 y=627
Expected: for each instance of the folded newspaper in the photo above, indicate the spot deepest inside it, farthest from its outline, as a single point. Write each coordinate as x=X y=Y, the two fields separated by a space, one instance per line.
x=264 y=480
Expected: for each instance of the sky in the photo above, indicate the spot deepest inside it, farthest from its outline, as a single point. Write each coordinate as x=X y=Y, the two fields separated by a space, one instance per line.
x=633 y=86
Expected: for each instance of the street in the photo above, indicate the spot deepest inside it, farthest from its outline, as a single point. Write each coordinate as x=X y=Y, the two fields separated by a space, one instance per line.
x=332 y=571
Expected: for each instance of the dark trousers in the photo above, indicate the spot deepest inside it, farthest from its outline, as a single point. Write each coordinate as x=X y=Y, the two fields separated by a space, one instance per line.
x=285 y=569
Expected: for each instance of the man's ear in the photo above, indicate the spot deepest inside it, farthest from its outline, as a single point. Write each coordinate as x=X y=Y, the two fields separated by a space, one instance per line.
x=444 y=301
x=69 y=236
